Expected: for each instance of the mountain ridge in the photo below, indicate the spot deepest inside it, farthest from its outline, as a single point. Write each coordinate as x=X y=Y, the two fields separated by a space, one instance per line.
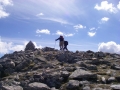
x=51 y=69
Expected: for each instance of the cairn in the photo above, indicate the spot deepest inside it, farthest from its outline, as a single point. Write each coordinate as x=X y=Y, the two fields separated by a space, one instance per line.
x=30 y=46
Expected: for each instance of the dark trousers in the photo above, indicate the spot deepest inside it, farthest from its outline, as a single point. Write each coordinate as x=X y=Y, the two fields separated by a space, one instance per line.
x=65 y=47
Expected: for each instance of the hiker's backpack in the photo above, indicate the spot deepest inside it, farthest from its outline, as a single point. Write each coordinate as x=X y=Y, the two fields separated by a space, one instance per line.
x=66 y=42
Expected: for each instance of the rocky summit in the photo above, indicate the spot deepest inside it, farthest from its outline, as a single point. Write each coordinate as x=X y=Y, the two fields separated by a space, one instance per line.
x=51 y=69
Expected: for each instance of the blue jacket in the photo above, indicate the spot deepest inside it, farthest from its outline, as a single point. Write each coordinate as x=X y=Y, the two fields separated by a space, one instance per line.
x=61 y=39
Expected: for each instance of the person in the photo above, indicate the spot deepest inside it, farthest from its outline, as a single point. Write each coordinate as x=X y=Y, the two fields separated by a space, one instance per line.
x=61 y=42
x=65 y=45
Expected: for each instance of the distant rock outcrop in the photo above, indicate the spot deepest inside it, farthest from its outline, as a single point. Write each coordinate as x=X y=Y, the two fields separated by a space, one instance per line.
x=51 y=69
x=30 y=46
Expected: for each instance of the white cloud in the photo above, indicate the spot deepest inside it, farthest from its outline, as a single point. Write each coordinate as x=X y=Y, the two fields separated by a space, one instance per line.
x=92 y=28
x=17 y=47
x=59 y=20
x=59 y=33
x=6 y=2
x=105 y=19
x=64 y=34
x=69 y=35
x=91 y=34
x=3 y=14
x=106 y=6
x=38 y=35
x=7 y=47
x=79 y=26
x=40 y=14
x=44 y=31
x=118 y=6
x=60 y=7
x=3 y=4
x=4 y=47
x=110 y=47
x=37 y=46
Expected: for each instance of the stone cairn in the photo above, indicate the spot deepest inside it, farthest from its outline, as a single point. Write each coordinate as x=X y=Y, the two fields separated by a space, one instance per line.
x=30 y=46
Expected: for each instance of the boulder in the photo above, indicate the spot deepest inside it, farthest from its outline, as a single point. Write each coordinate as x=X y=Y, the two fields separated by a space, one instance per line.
x=37 y=86
x=86 y=88
x=98 y=88
x=115 y=87
x=23 y=64
x=111 y=79
x=87 y=66
x=83 y=83
x=9 y=64
x=1 y=67
x=48 y=49
x=53 y=80
x=115 y=66
x=66 y=57
x=99 y=54
x=53 y=88
x=73 y=85
x=84 y=75
x=65 y=74
x=11 y=88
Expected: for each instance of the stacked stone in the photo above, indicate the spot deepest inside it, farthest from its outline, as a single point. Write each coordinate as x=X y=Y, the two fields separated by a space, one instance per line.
x=30 y=46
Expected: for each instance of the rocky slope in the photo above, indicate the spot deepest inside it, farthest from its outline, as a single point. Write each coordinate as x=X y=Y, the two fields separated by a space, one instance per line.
x=50 y=69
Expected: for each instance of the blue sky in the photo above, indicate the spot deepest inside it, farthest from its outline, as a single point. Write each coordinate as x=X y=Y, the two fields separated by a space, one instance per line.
x=85 y=24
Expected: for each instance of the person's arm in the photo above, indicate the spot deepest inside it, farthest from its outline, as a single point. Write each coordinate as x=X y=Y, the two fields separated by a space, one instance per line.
x=57 y=39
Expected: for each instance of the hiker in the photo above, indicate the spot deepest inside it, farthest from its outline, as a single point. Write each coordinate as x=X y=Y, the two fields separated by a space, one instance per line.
x=65 y=45
x=61 y=43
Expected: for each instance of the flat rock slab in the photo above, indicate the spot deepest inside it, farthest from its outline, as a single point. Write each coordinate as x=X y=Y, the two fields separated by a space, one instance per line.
x=37 y=86
x=115 y=87
x=11 y=88
x=82 y=74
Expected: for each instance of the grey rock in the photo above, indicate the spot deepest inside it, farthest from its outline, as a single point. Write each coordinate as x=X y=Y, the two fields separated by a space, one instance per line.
x=111 y=79
x=83 y=83
x=115 y=66
x=23 y=64
x=86 y=88
x=118 y=78
x=104 y=66
x=11 y=88
x=73 y=84
x=115 y=87
x=40 y=59
x=70 y=69
x=65 y=74
x=8 y=71
x=99 y=54
x=9 y=64
x=116 y=56
x=66 y=57
x=23 y=83
x=48 y=49
x=103 y=79
x=53 y=80
x=82 y=74
x=1 y=67
x=88 y=66
x=53 y=88
x=91 y=67
x=97 y=89
x=37 y=86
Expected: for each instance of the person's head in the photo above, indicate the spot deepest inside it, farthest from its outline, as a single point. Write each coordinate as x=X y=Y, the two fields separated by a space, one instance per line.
x=61 y=36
